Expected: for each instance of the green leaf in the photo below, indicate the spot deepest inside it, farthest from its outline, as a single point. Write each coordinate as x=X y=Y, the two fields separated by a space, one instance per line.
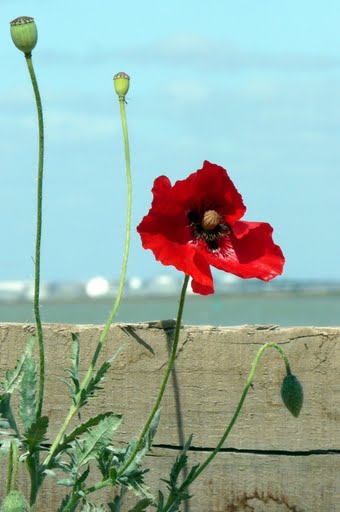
x=75 y=352
x=141 y=505
x=180 y=464
x=160 y=501
x=81 y=480
x=35 y=435
x=292 y=394
x=135 y=481
x=67 y=482
x=74 y=368
x=98 y=377
x=91 y=507
x=7 y=420
x=84 y=427
x=65 y=502
x=146 y=444
x=13 y=377
x=97 y=439
x=179 y=493
x=115 y=506
x=27 y=390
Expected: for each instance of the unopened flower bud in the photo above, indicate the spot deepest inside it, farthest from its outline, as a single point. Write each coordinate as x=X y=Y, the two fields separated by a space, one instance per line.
x=121 y=82
x=24 y=33
x=14 y=502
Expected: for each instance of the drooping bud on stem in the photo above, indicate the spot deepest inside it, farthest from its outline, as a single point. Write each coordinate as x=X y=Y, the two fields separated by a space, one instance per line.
x=121 y=82
x=24 y=33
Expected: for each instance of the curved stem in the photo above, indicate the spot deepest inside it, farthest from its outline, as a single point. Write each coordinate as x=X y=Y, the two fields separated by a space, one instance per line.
x=165 y=379
x=239 y=407
x=75 y=407
x=28 y=57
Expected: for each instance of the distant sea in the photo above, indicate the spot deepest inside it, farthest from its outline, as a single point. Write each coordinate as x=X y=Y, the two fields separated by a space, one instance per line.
x=284 y=309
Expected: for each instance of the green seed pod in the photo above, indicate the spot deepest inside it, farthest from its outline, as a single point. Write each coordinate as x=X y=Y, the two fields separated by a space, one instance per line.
x=24 y=33
x=121 y=82
x=292 y=394
x=14 y=502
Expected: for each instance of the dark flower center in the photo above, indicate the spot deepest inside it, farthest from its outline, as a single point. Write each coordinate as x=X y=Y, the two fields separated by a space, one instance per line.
x=209 y=227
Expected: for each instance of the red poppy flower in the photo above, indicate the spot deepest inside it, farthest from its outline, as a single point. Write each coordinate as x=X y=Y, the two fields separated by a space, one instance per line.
x=195 y=224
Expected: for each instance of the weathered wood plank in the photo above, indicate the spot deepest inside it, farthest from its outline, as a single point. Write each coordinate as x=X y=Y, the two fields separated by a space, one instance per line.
x=211 y=370
x=238 y=482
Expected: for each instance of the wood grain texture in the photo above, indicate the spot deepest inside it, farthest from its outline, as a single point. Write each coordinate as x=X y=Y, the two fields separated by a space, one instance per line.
x=285 y=463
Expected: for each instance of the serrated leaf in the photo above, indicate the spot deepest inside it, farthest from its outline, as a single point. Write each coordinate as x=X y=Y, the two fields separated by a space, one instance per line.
x=146 y=444
x=27 y=391
x=91 y=507
x=135 y=481
x=65 y=502
x=141 y=505
x=75 y=352
x=67 y=482
x=97 y=378
x=292 y=394
x=179 y=493
x=74 y=368
x=5 y=446
x=191 y=477
x=49 y=472
x=35 y=435
x=97 y=439
x=83 y=428
x=160 y=501
x=81 y=480
x=180 y=463
x=14 y=377
x=7 y=420
x=115 y=506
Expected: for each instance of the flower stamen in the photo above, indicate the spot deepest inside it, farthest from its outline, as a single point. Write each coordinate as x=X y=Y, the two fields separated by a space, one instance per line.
x=209 y=228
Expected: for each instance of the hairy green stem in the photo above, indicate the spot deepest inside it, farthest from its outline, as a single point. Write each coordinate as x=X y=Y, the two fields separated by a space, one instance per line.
x=239 y=407
x=126 y=248
x=28 y=57
x=172 y=357
x=165 y=379
x=32 y=463
x=75 y=407
x=15 y=465
x=9 y=469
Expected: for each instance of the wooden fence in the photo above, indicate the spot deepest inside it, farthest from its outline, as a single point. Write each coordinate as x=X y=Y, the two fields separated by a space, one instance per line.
x=271 y=461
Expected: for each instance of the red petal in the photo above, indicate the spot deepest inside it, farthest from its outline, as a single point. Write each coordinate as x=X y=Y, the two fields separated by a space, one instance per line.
x=249 y=252
x=165 y=231
x=202 y=282
x=210 y=188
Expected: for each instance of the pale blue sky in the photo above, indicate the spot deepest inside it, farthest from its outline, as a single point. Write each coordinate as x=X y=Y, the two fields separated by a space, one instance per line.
x=252 y=86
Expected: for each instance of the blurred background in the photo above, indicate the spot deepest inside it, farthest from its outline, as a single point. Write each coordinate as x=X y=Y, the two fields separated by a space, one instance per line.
x=251 y=86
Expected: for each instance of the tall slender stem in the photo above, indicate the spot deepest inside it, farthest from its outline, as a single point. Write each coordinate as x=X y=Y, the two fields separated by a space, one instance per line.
x=126 y=248
x=105 y=483
x=165 y=379
x=28 y=57
x=15 y=465
x=9 y=469
x=75 y=407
